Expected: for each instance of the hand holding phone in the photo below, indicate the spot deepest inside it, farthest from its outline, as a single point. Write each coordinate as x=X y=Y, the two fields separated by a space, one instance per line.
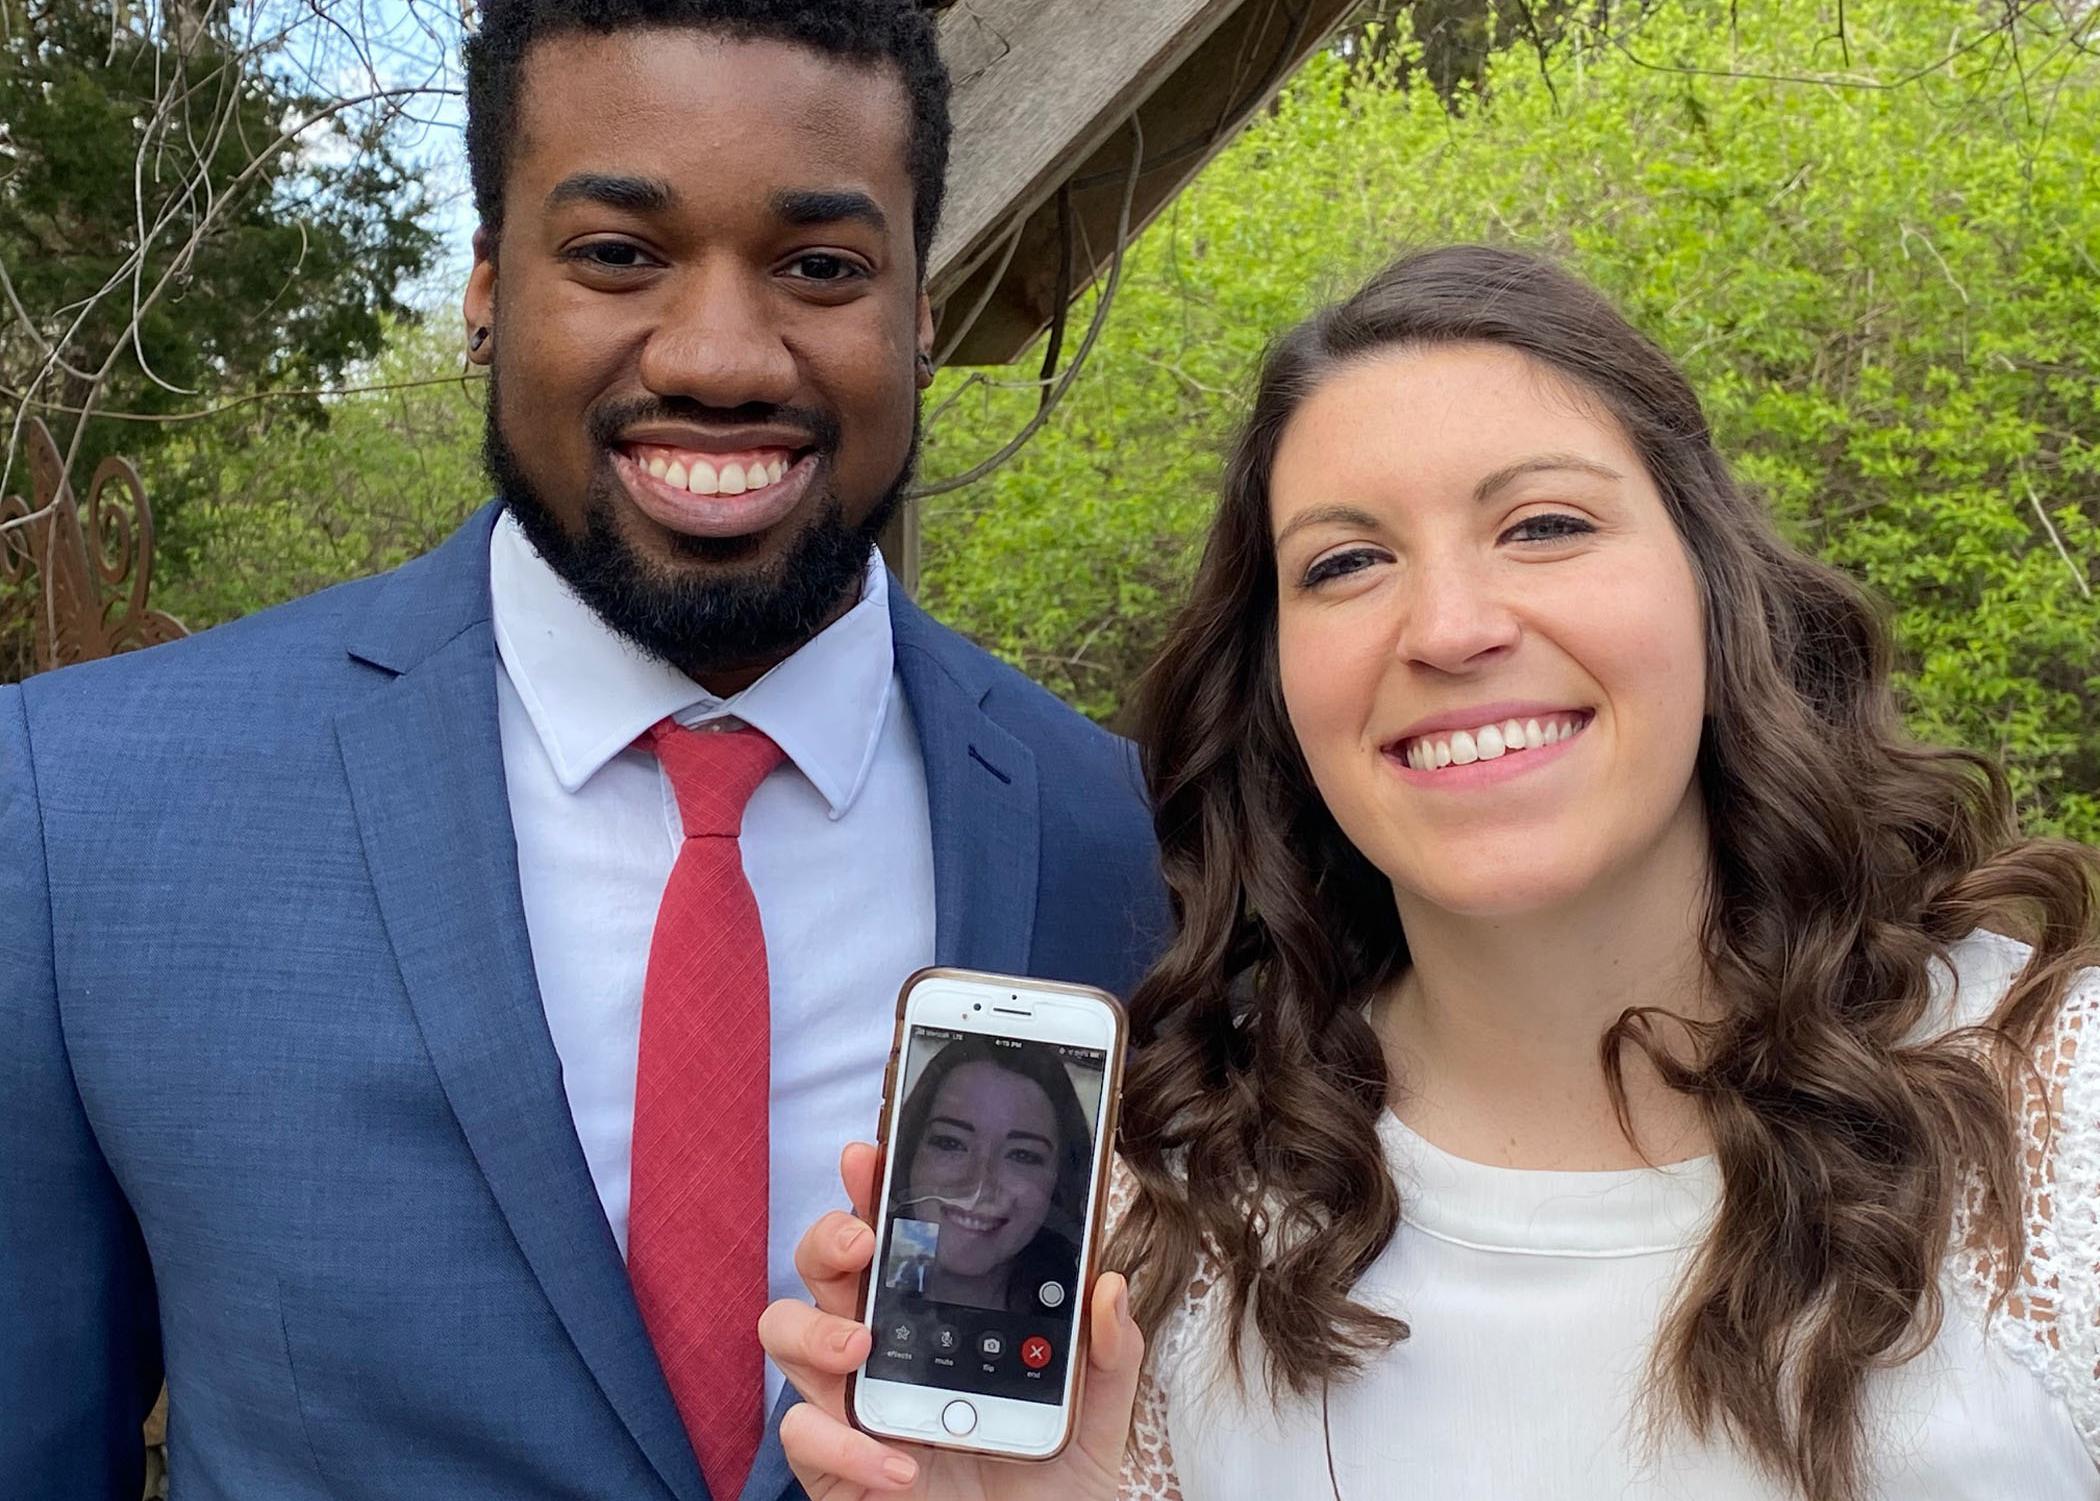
x=817 y=1348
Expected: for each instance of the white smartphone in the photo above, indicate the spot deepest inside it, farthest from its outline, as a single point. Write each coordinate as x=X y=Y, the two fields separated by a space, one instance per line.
x=998 y=1115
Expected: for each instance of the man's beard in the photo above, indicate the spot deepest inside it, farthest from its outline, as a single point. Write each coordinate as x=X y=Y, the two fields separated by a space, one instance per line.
x=729 y=618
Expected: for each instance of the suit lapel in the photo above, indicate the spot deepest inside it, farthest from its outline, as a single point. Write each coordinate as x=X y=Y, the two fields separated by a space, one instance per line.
x=981 y=799
x=425 y=766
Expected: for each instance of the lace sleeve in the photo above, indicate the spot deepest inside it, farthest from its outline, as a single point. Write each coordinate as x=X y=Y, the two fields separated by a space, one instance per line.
x=1148 y=1464
x=2051 y=1318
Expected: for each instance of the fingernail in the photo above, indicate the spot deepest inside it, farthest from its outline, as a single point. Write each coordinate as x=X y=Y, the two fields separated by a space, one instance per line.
x=849 y=1238
x=900 y=1469
x=1123 y=1302
x=843 y=1339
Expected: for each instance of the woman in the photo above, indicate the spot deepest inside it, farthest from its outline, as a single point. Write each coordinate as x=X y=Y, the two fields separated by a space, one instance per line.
x=1588 y=1064
x=994 y=1145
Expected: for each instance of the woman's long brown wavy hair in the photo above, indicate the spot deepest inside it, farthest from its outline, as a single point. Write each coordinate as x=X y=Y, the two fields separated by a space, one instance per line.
x=1846 y=859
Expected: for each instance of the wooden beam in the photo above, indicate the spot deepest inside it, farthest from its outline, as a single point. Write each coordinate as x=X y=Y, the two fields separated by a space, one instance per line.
x=1039 y=85
x=1044 y=92
x=1049 y=103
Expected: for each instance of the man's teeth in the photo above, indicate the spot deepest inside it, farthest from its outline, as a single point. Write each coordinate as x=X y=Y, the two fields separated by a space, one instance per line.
x=733 y=478
x=1489 y=742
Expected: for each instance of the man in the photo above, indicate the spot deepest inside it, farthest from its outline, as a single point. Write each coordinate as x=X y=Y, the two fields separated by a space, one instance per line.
x=430 y=1012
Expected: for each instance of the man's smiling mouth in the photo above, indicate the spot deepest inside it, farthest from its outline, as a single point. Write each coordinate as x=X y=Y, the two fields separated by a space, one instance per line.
x=713 y=473
x=703 y=493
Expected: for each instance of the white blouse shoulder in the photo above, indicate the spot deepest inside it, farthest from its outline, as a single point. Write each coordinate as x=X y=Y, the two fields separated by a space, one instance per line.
x=2050 y=1321
x=2031 y=1361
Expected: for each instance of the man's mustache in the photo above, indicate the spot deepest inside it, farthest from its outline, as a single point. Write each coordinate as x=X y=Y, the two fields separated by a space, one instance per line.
x=607 y=422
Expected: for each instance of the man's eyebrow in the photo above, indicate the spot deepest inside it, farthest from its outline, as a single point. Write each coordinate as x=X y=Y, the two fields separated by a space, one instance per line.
x=641 y=195
x=806 y=207
x=1349 y=516
x=1509 y=474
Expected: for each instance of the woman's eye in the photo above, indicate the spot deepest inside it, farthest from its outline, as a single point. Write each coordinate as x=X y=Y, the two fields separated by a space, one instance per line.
x=825 y=268
x=945 y=1143
x=1552 y=527
x=1338 y=564
x=1027 y=1157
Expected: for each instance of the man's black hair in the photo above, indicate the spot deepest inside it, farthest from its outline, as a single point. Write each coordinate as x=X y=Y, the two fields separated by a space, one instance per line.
x=895 y=32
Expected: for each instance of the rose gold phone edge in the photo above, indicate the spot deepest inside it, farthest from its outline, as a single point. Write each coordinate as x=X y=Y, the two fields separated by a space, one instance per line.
x=1112 y=1099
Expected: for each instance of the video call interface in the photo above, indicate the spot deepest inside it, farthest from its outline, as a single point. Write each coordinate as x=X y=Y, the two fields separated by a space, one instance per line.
x=994 y=1163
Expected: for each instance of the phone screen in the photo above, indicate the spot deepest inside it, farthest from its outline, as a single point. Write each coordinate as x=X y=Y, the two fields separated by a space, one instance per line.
x=993 y=1162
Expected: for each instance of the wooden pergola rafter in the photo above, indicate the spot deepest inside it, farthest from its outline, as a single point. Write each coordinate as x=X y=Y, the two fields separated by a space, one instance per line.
x=1076 y=123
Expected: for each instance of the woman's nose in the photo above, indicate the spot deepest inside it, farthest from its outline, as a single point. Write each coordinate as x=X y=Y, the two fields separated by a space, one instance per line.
x=1455 y=617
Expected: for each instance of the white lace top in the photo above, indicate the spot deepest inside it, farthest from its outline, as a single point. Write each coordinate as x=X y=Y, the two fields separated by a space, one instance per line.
x=1534 y=1297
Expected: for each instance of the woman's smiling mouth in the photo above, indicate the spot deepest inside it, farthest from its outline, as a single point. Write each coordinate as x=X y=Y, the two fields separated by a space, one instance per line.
x=1501 y=745
x=975 y=1224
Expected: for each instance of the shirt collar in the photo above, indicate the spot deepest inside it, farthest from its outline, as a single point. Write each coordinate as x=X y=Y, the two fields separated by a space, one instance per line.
x=590 y=693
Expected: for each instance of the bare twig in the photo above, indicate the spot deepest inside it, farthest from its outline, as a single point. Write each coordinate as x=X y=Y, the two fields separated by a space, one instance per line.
x=1079 y=356
x=249 y=398
x=2077 y=574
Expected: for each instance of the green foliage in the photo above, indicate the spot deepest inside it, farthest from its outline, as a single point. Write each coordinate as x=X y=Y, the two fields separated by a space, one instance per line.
x=1889 y=297
x=287 y=255
x=182 y=224
x=284 y=510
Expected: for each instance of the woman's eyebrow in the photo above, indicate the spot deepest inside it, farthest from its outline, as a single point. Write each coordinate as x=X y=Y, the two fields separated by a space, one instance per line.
x=1030 y=1136
x=949 y=1120
x=1509 y=474
x=1350 y=516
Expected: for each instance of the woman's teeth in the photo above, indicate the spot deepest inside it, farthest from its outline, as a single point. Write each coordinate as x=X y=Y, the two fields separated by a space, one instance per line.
x=982 y=1224
x=703 y=477
x=1490 y=741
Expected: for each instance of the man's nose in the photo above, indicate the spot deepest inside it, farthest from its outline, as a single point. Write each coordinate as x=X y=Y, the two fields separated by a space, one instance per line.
x=720 y=343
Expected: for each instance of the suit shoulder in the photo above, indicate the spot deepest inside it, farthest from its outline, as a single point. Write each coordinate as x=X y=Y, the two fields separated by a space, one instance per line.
x=231 y=675
x=1067 y=744
x=305 y=627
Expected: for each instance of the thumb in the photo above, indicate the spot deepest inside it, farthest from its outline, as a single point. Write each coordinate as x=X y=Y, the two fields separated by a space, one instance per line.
x=1115 y=1359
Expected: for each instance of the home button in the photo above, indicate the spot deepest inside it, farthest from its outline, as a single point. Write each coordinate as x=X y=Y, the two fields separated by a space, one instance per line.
x=959 y=1418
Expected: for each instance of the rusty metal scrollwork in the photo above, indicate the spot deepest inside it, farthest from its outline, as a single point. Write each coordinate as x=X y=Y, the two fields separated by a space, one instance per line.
x=90 y=574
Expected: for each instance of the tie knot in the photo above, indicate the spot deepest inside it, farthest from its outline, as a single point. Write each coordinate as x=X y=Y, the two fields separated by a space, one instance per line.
x=713 y=773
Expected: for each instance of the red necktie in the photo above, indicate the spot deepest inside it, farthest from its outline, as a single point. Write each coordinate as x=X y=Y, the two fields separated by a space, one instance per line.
x=697 y=1208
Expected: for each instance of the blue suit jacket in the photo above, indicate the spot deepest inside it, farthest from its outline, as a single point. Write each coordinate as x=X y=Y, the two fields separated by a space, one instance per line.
x=279 y=1111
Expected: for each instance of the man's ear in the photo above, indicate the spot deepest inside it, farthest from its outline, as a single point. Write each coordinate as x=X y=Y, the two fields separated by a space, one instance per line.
x=925 y=335
x=479 y=304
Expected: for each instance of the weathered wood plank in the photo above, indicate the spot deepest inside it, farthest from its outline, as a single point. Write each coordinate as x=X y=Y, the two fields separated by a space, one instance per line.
x=1215 y=65
x=1039 y=86
x=1189 y=112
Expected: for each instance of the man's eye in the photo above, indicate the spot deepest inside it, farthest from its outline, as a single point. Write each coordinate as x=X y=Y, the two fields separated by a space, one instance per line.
x=825 y=268
x=608 y=255
x=1552 y=527
x=1338 y=564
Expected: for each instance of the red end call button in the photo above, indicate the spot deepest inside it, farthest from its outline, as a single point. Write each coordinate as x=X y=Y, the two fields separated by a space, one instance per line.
x=1035 y=1352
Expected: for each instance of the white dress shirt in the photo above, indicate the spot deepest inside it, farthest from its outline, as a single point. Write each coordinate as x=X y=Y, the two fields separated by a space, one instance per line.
x=836 y=845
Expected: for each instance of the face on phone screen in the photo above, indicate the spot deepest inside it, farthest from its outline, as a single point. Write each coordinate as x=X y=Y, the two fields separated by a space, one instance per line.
x=977 y=1285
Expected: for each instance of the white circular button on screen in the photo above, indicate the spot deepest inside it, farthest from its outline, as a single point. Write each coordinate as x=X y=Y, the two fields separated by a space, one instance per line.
x=959 y=1418
x=1052 y=1294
